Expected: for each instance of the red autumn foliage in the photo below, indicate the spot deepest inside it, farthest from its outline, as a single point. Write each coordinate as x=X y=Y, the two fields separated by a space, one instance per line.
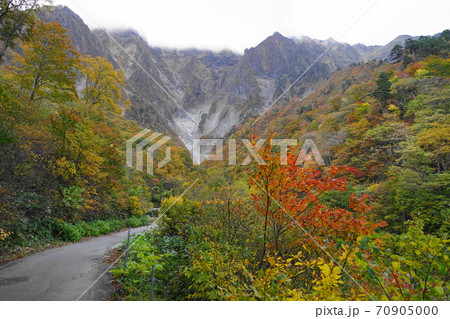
x=292 y=195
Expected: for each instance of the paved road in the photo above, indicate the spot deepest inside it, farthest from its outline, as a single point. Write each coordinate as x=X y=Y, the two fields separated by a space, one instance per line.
x=62 y=273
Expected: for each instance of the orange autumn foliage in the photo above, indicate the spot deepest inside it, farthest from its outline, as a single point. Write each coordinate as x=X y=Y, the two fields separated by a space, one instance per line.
x=291 y=196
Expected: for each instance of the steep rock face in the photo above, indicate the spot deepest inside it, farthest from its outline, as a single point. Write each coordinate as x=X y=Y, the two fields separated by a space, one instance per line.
x=172 y=91
x=82 y=38
x=193 y=93
x=146 y=86
x=272 y=57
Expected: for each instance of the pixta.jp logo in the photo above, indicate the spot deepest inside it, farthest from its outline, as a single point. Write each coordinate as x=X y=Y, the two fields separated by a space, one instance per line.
x=146 y=144
x=140 y=144
x=307 y=152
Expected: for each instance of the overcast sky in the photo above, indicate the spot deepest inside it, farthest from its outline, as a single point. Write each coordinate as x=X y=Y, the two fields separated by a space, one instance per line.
x=241 y=24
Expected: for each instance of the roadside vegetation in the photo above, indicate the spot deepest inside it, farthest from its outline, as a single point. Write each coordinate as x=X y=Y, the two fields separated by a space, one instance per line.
x=62 y=150
x=371 y=225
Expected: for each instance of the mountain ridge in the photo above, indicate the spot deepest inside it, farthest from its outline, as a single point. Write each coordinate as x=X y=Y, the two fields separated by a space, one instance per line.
x=192 y=93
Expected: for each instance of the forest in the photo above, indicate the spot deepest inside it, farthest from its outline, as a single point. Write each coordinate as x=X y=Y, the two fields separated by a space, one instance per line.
x=371 y=224
x=62 y=153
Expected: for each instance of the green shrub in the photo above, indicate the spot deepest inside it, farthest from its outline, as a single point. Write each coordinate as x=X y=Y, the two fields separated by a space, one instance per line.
x=88 y=229
x=115 y=224
x=142 y=257
x=133 y=222
x=143 y=220
x=181 y=212
x=46 y=230
x=136 y=221
x=80 y=229
x=102 y=226
x=66 y=231
x=39 y=229
x=73 y=197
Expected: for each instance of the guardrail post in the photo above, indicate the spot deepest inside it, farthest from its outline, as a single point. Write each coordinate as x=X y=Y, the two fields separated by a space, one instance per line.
x=127 y=249
x=152 y=282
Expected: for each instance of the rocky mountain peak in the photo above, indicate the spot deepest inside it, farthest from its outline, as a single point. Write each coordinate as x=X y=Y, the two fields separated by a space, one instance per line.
x=192 y=93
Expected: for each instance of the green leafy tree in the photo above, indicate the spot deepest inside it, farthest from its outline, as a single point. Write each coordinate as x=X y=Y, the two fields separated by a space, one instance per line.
x=382 y=92
x=411 y=46
x=409 y=266
x=445 y=35
x=396 y=53
x=426 y=46
x=438 y=67
x=16 y=20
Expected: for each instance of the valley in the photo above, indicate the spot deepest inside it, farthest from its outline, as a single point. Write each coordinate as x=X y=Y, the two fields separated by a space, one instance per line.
x=79 y=109
x=191 y=93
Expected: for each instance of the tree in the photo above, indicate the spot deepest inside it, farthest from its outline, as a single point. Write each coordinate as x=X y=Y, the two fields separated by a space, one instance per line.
x=102 y=84
x=410 y=266
x=437 y=141
x=407 y=59
x=396 y=53
x=291 y=197
x=411 y=46
x=64 y=122
x=382 y=92
x=438 y=67
x=445 y=35
x=16 y=20
x=426 y=46
x=46 y=67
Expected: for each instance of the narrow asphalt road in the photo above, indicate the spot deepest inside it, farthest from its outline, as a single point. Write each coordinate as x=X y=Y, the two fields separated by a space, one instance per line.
x=62 y=273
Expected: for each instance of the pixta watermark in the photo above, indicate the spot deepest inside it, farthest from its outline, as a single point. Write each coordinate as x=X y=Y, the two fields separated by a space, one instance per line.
x=308 y=152
x=147 y=142
x=138 y=144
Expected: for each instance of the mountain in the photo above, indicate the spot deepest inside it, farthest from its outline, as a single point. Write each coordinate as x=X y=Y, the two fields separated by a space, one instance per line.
x=364 y=50
x=193 y=93
x=383 y=52
x=82 y=39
